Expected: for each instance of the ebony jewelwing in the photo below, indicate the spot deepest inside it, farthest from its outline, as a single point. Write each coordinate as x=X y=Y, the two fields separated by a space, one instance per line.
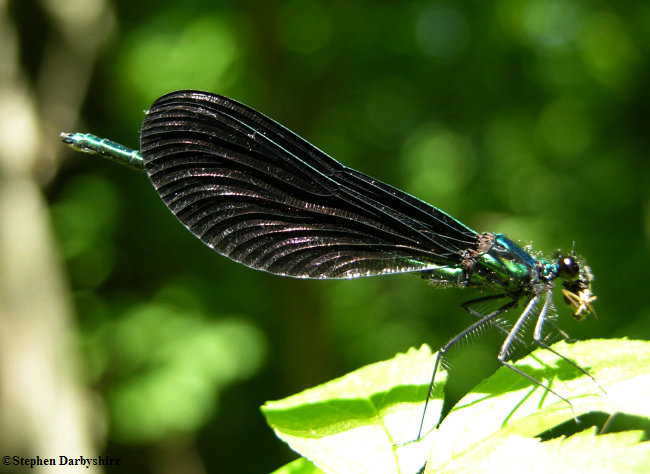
x=259 y=194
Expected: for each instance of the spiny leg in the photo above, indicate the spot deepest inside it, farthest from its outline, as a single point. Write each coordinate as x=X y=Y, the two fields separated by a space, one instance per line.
x=467 y=306
x=539 y=339
x=452 y=342
x=512 y=335
x=560 y=331
x=538 y=335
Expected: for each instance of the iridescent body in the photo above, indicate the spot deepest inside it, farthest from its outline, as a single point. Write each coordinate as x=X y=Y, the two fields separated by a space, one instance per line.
x=104 y=147
x=261 y=195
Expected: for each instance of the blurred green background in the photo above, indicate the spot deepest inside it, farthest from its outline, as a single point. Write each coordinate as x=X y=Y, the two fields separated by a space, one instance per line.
x=528 y=118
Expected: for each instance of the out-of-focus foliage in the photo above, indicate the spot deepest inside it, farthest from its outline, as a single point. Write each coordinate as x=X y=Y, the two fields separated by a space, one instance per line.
x=522 y=117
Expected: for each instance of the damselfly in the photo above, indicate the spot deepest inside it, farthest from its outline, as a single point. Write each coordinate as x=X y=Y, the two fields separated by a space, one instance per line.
x=259 y=194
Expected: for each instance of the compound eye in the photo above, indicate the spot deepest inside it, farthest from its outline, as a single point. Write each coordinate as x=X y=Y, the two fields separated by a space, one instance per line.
x=567 y=268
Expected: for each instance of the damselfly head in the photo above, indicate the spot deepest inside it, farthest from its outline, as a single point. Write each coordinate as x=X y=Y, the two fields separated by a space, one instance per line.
x=567 y=268
x=577 y=286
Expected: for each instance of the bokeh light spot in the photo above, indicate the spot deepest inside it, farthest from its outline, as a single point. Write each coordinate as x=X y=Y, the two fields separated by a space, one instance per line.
x=161 y=57
x=442 y=32
x=565 y=128
x=169 y=366
x=607 y=49
x=83 y=219
x=439 y=163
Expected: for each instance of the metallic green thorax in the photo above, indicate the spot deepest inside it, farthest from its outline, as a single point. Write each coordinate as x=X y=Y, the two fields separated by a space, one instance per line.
x=504 y=265
x=496 y=263
x=105 y=148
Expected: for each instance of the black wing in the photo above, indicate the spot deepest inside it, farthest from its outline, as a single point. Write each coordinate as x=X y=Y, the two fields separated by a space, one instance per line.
x=259 y=194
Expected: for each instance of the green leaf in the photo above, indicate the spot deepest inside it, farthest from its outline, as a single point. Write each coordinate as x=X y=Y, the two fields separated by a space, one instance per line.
x=506 y=408
x=298 y=466
x=582 y=452
x=362 y=422
x=352 y=424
